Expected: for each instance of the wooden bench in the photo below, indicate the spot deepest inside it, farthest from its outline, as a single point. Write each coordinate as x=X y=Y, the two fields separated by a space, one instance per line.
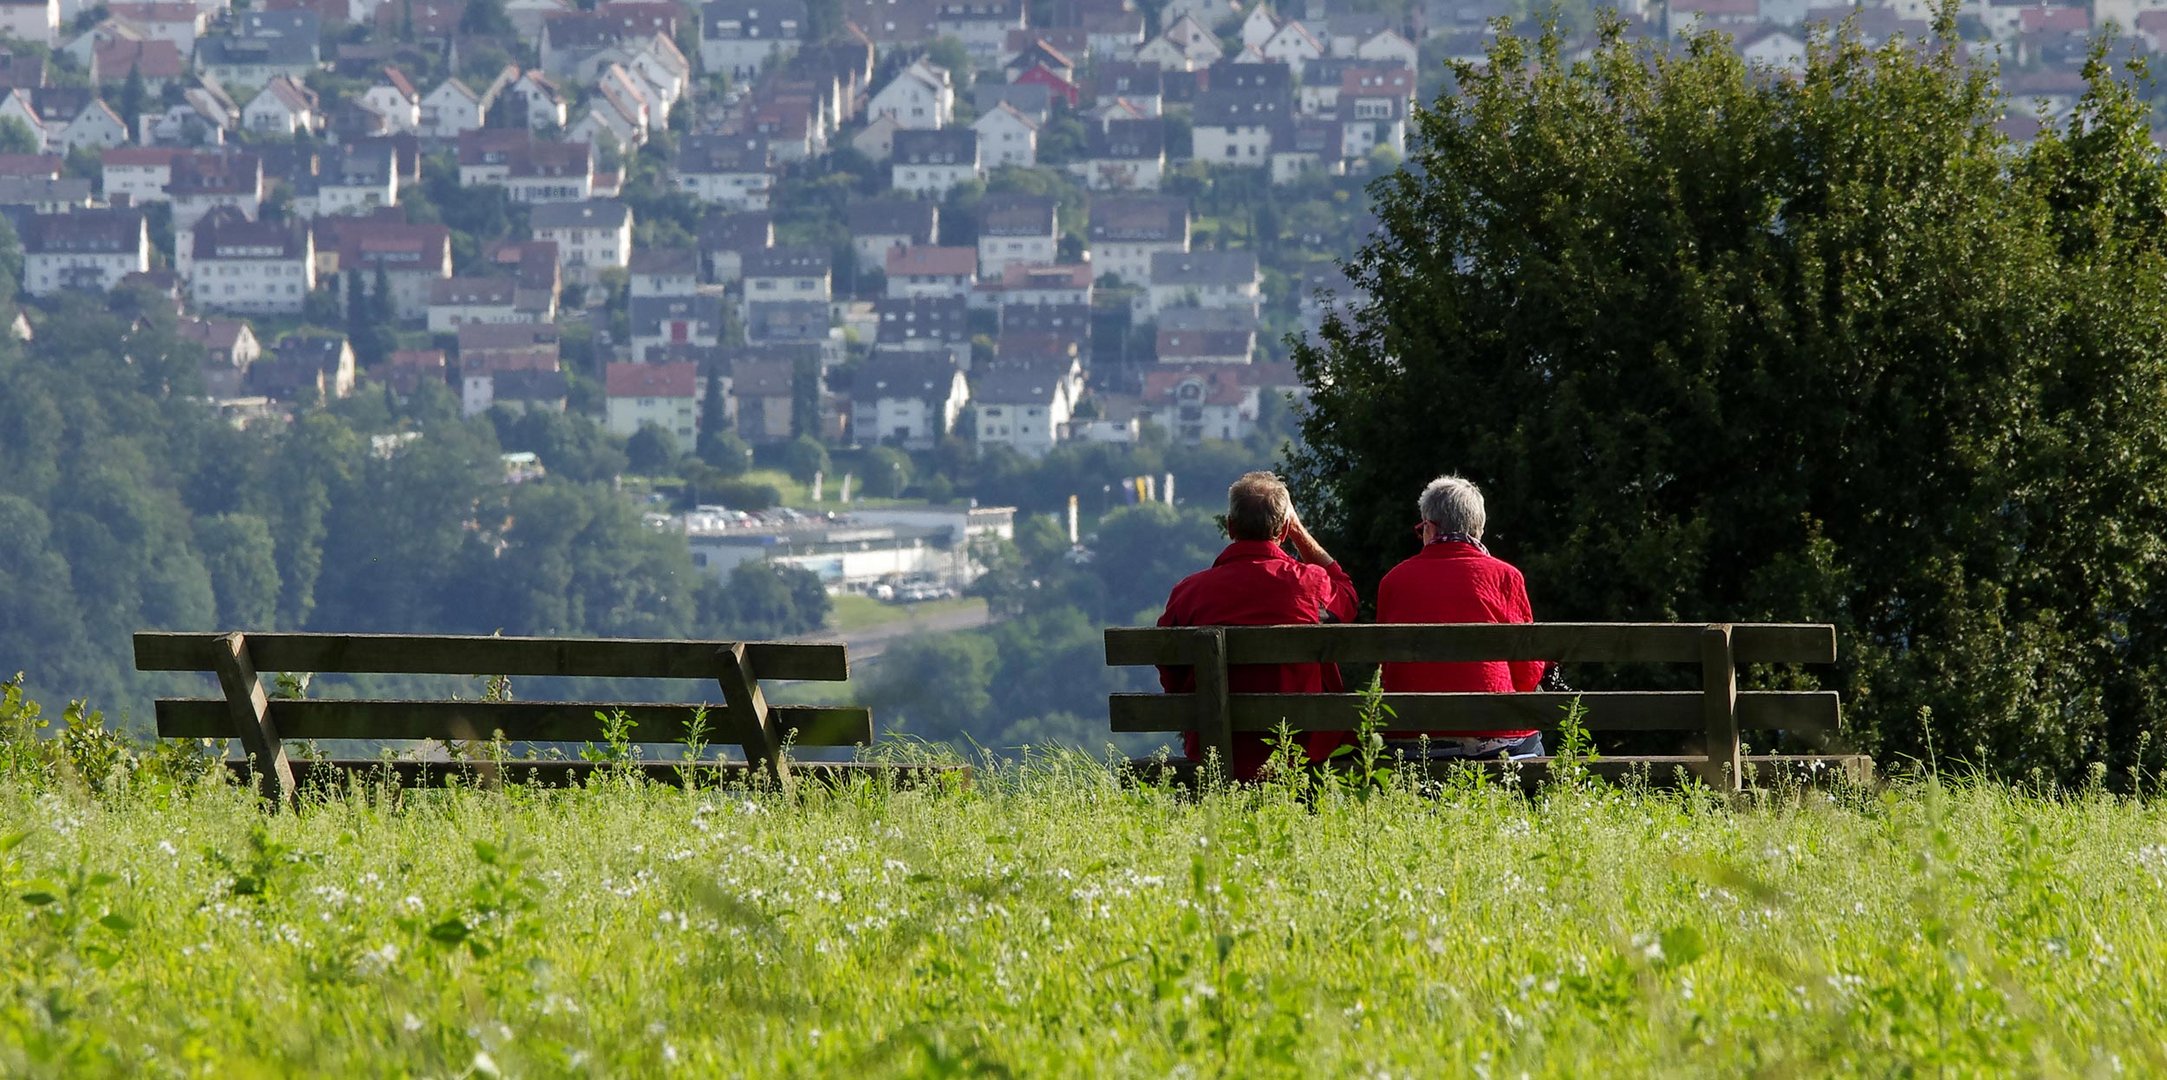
x=263 y=725
x=1718 y=712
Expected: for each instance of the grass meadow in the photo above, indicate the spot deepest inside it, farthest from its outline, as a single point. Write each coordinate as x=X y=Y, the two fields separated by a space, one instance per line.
x=1049 y=920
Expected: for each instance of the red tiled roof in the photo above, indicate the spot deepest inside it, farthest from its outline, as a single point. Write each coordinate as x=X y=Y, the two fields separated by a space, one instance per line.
x=928 y=260
x=652 y=380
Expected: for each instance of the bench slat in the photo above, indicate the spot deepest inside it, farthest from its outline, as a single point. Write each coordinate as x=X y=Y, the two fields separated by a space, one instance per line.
x=1754 y=643
x=521 y=721
x=454 y=654
x=1804 y=711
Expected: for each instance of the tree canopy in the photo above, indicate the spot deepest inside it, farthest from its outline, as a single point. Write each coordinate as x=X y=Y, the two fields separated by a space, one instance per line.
x=1724 y=344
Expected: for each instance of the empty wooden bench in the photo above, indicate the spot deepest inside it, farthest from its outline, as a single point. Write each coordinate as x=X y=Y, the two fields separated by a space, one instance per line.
x=264 y=725
x=1718 y=713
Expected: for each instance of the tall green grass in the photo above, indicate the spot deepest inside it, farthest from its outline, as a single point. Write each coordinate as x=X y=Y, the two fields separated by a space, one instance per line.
x=1053 y=921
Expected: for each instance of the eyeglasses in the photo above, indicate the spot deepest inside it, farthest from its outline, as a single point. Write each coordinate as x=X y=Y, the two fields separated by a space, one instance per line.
x=1419 y=526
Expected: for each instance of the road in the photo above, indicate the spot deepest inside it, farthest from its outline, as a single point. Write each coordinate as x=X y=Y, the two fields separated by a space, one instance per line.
x=867 y=644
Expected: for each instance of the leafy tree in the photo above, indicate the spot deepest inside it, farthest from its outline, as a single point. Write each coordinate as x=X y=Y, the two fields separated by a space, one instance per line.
x=16 y=137
x=240 y=555
x=134 y=97
x=803 y=457
x=485 y=18
x=651 y=450
x=725 y=452
x=1729 y=347
x=887 y=472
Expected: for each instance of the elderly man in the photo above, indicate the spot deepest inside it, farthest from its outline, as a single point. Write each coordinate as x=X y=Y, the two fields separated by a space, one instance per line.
x=1256 y=583
x=1454 y=579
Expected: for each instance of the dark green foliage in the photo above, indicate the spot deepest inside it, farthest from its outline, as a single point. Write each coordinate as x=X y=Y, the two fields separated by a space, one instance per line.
x=651 y=450
x=724 y=452
x=1729 y=347
x=762 y=600
x=803 y=457
x=884 y=472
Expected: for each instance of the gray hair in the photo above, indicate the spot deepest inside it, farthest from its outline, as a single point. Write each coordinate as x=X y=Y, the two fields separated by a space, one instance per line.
x=1453 y=505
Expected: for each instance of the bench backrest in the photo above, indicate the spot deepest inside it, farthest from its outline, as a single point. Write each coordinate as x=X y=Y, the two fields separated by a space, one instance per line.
x=1719 y=708
x=262 y=724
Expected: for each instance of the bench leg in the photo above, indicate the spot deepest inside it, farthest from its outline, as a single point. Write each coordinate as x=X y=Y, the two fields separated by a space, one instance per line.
x=749 y=716
x=251 y=710
x=1719 y=702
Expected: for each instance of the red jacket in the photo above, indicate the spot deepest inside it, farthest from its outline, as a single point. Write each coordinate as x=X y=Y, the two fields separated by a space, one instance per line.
x=1254 y=583
x=1452 y=582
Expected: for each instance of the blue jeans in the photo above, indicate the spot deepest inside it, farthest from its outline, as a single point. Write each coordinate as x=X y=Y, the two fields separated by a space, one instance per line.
x=1466 y=749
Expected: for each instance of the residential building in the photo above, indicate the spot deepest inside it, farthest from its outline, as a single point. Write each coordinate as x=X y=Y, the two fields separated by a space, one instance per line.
x=303 y=368
x=908 y=399
x=664 y=272
x=34 y=21
x=725 y=239
x=1006 y=137
x=921 y=97
x=395 y=99
x=229 y=347
x=735 y=172
x=1033 y=101
x=413 y=257
x=1124 y=155
x=261 y=268
x=1127 y=231
x=1016 y=230
x=244 y=63
x=784 y=321
x=137 y=173
x=932 y=163
x=535 y=102
x=1063 y=285
x=1206 y=336
x=1022 y=407
x=663 y=321
x=664 y=395
x=762 y=398
x=283 y=107
x=878 y=227
x=87 y=250
x=352 y=179
x=459 y=301
x=739 y=37
x=1197 y=403
x=591 y=236
x=925 y=324
x=982 y=26
x=204 y=180
x=1234 y=127
x=928 y=271
x=1221 y=279
x=788 y=273
x=449 y=111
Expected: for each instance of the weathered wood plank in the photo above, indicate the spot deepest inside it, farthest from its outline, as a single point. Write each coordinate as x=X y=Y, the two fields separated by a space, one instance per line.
x=1214 y=718
x=246 y=709
x=338 y=771
x=521 y=721
x=481 y=655
x=1657 y=770
x=1719 y=709
x=748 y=713
x=1804 y=643
x=1802 y=711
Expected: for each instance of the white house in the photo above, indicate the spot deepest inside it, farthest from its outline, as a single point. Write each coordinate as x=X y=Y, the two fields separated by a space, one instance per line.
x=140 y=173
x=462 y=301
x=1293 y=45
x=282 y=107
x=395 y=99
x=665 y=395
x=1016 y=230
x=739 y=37
x=932 y=163
x=909 y=399
x=34 y=21
x=786 y=273
x=932 y=271
x=1006 y=137
x=260 y=268
x=87 y=250
x=1127 y=232
x=735 y=172
x=591 y=236
x=1024 y=407
x=1218 y=279
x=450 y=110
x=921 y=97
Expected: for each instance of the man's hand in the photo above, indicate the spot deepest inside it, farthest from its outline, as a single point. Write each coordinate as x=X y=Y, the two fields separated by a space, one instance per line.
x=1305 y=545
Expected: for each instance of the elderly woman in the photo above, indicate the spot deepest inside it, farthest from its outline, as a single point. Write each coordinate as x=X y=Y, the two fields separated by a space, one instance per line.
x=1454 y=579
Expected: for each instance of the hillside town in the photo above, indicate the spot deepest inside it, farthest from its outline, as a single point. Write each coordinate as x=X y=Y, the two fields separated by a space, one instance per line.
x=897 y=223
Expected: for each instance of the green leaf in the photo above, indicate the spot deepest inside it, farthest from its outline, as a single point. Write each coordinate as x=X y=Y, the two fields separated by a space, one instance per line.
x=1682 y=945
x=39 y=898
x=117 y=922
x=12 y=840
x=449 y=932
x=486 y=852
